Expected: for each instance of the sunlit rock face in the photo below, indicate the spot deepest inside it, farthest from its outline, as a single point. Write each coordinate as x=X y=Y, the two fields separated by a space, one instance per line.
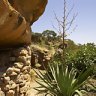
x=16 y=17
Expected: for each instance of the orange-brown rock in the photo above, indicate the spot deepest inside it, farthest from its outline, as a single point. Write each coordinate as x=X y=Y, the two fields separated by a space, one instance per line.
x=30 y=9
x=16 y=17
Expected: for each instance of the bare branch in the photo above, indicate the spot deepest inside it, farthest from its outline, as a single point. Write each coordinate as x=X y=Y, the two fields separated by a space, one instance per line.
x=59 y=31
x=75 y=28
x=59 y=22
x=72 y=31
x=70 y=11
x=69 y=24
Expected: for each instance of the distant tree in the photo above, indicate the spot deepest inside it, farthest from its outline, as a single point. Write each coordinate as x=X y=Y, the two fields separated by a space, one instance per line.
x=49 y=34
x=36 y=37
x=71 y=46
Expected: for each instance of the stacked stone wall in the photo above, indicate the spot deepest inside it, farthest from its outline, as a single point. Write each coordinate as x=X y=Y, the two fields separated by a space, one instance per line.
x=15 y=66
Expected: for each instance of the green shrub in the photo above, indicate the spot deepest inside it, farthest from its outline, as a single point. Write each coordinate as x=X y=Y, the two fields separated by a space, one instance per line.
x=61 y=82
x=83 y=58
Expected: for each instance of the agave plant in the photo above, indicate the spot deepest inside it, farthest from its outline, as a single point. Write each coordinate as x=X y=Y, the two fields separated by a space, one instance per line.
x=61 y=82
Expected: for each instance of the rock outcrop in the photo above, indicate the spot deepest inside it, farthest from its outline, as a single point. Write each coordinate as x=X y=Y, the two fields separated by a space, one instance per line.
x=16 y=17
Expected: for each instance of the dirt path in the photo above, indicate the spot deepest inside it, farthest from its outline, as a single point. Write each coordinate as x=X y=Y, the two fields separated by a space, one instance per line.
x=32 y=91
x=34 y=84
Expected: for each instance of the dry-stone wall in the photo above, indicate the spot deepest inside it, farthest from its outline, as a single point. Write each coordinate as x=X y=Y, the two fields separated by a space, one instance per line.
x=14 y=71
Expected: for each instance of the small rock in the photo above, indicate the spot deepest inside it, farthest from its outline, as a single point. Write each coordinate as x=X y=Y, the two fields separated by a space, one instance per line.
x=27 y=77
x=17 y=89
x=22 y=59
x=16 y=70
x=18 y=65
x=25 y=72
x=29 y=50
x=1 y=80
x=26 y=68
x=13 y=74
x=28 y=62
x=13 y=86
x=10 y=93
x=22 y=95
x=9 y=71
x=22 y=84
x=24 y=89
x=2 y=93
x=7 y=87
x=18 y=81
x=23 y=52
x=48 y=58
x=6 y=80
x=4 y=75
x=29 y=58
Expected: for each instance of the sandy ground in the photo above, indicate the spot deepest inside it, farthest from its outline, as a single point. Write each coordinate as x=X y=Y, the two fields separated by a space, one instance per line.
x=34 y=84
x=32 y=91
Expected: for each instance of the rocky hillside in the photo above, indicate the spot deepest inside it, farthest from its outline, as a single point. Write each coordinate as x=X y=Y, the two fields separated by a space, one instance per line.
x=40 y=56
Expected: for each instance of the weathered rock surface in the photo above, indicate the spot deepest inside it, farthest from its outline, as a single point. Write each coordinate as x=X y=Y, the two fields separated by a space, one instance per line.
x=30 y=9
x=16 y=17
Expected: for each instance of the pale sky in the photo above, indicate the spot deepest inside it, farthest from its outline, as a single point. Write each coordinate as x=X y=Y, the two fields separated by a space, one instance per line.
x=86 y=19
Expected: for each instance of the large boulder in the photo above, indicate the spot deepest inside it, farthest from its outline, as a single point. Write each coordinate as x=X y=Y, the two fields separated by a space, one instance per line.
x=30 y=9
x=16 y=18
